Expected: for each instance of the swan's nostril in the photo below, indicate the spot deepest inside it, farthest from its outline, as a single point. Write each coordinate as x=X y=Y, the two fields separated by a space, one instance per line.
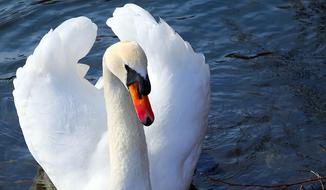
x=148 y=122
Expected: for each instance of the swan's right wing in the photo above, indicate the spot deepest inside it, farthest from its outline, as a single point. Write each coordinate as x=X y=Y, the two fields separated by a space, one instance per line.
x=61 y=114
x=179 y=97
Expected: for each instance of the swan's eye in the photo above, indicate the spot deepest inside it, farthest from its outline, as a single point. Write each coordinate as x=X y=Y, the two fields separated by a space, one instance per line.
x=144 y=85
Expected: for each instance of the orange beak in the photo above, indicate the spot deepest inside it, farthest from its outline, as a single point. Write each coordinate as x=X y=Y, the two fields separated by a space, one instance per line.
x=142 y=106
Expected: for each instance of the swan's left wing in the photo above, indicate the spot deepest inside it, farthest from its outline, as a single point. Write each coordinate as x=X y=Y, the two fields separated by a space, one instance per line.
x=61 y=114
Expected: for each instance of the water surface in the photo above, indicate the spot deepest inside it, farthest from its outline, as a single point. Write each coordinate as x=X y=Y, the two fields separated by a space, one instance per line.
x=268 y=114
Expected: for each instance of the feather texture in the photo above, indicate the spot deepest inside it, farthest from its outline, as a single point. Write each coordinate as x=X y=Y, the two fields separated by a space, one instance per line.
x=63 y=116
x=180 y=95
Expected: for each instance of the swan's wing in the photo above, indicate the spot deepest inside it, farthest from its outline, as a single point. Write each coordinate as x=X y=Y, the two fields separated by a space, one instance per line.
x=61 y=114
x=179 y=96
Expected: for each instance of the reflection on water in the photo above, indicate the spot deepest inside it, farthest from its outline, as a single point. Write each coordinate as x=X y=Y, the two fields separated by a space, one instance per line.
x=268 y=113
x=42 y=181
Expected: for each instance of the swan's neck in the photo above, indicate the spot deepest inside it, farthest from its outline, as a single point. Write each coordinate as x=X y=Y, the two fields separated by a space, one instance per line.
x=129 y=166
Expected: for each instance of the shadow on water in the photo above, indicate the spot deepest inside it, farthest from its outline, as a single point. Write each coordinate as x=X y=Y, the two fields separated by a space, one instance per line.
x=268 y=80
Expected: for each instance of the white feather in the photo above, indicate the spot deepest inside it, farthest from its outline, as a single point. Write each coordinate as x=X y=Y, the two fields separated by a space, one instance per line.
x=63 y=117
x=179 y=96
x=82 y=69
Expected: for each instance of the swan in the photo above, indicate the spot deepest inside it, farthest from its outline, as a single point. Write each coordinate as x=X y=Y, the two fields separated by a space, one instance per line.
x=89 y=136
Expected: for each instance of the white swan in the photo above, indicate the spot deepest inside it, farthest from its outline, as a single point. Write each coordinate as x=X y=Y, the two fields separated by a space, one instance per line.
x=86 y=138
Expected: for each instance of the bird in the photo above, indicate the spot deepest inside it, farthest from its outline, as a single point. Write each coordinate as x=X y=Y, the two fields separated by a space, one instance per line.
x=140 y=126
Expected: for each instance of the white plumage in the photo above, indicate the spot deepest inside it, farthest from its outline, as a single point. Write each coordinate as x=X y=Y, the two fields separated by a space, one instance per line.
x=63 y=116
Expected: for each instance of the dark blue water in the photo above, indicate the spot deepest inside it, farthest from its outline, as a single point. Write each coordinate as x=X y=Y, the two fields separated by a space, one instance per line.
x=267 y=122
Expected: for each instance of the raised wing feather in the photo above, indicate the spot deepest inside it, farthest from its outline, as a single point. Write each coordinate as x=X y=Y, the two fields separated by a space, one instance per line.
x=61 y=114
x=179 y=97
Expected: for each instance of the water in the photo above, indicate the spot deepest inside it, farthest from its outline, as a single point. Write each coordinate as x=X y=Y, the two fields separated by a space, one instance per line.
x=268 y=114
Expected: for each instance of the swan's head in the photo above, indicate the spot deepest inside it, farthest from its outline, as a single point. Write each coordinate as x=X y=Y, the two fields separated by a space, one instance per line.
x=128 y=62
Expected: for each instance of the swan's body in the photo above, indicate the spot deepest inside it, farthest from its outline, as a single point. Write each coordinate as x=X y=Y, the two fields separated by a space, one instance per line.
x=75 y=135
